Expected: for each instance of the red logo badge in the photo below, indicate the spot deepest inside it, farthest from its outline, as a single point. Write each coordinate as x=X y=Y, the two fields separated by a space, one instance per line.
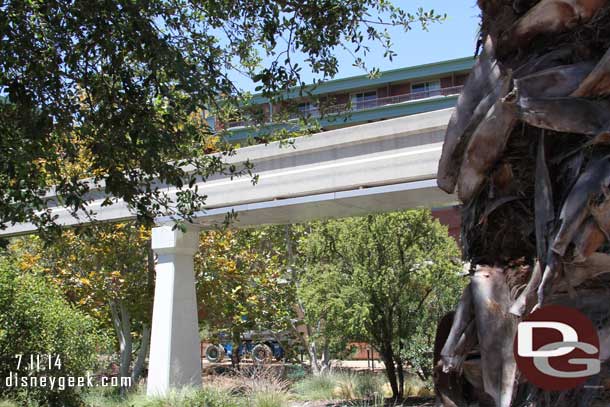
x=557 y=348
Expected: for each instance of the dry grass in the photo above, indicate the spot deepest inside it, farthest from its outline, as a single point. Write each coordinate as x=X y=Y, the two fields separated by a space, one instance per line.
x=341 y=386
x=267 y=386
x=416 y=387
x=255 y=385
x=251 y=380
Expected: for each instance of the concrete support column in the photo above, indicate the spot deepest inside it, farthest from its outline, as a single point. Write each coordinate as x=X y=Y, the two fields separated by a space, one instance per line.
x=174 y=360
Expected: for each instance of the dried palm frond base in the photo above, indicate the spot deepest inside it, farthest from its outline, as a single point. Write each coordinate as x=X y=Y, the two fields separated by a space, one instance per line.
x=528 y=152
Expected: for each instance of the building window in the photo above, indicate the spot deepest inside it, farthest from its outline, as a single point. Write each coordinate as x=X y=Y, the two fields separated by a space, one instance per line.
x=364 y=100
x=307 y=109
x=426 y=89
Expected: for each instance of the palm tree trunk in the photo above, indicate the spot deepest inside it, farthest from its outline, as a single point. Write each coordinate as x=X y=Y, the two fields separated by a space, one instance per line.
x=527 y=151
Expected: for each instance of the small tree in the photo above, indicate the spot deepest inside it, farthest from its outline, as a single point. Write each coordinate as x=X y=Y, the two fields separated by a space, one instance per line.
x=241 y=281
x=330 y=316
x=398 y=273
x=107 y=271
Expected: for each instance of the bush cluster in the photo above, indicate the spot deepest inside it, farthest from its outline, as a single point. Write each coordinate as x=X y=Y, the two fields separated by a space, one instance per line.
x=36 y=320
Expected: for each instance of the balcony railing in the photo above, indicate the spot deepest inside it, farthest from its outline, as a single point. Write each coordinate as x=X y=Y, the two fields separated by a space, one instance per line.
x=363 y=105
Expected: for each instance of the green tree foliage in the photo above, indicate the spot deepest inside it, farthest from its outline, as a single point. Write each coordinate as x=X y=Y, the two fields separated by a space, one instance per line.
x=331 y=317
x=37 y=320
x=119 y=83
x=241 y=281
x=107 y=271
x=392 y=276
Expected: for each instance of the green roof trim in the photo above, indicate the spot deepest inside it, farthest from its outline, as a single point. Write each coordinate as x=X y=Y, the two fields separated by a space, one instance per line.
x=394 y=75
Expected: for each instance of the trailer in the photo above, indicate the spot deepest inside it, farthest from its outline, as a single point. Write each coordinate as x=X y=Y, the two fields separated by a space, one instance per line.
x=261 y=347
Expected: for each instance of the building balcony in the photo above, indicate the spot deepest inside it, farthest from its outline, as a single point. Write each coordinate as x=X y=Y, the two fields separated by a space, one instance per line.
x=378 y=102
x=363 y=111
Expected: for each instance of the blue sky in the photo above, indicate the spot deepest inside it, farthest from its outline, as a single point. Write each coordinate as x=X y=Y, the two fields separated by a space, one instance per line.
x=454 y=38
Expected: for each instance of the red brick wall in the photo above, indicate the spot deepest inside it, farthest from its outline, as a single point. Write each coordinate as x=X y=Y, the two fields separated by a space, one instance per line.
x=382 y=92
x=266 y=111
x=460 y=79
x=451 y=218
x=339 y=98
x=400 y=89
x=361 y=348
x=446 y=82
x=277 y=108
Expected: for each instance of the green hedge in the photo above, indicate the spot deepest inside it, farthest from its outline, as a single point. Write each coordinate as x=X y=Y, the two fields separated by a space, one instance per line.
x=35 y=319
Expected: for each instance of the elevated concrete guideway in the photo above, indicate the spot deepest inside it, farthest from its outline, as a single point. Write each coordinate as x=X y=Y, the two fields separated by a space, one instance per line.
x=380 y=166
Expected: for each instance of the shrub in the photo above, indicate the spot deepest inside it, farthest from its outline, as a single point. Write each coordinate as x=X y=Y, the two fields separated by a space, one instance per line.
x=367 y=385
x=351 y=386
x=110 y=397
x=414 y=386
x=205 y=397
x=270 y=398
x=344 y=386
x=316 y=387
x=257 y=386
x=260 y=379
x=35 y=319
x=295 y=372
